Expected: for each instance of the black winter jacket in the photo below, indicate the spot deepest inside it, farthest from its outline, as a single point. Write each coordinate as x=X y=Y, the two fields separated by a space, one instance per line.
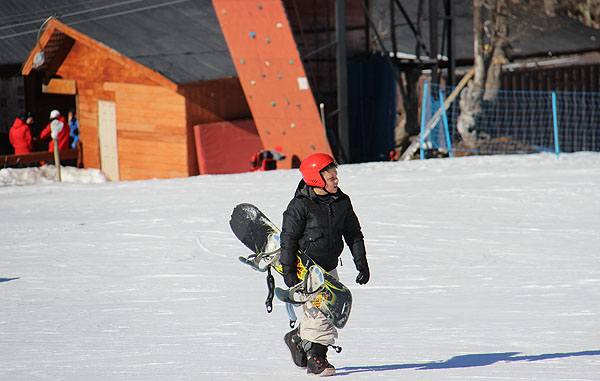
x=317 y=228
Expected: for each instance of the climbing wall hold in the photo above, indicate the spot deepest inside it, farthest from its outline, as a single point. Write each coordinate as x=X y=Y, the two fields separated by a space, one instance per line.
x=303 y=83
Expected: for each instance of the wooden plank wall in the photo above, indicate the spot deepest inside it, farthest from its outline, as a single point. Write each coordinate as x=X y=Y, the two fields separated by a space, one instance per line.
x=87 y=103
x=151 y=131
x=582 y=77
x=151 y=120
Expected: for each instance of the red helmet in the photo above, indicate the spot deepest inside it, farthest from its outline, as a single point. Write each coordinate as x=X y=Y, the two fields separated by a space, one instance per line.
x=312 y=165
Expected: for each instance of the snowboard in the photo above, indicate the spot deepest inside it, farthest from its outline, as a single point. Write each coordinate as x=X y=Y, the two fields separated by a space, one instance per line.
x=317 y=286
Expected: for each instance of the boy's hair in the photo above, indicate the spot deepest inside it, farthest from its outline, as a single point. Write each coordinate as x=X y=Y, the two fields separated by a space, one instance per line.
x=331 y=165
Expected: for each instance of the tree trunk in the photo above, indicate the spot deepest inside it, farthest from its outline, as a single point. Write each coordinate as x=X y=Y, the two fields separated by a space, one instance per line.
x=498 y=43
x=471 y=96
x=408 y=120
x=488 y=61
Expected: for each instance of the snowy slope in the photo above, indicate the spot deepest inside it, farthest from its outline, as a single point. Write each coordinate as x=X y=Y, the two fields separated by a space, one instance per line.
x=482 y=268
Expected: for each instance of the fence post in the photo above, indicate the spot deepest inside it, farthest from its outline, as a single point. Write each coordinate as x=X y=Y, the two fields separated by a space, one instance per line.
x=55 y=128
x=423 y=107
x=57 y=159
x=555 y=119
x=445 y=120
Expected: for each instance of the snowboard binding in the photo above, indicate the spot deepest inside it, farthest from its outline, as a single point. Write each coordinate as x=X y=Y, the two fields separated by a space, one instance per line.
x=306 y=290
x=254 y=260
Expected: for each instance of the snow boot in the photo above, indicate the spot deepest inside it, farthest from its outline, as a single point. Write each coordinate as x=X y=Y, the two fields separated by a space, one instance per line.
x=293 y=341
x=317 y=363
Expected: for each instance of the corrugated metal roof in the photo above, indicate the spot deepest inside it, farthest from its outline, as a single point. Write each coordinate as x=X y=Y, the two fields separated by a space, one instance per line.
x=181 y=39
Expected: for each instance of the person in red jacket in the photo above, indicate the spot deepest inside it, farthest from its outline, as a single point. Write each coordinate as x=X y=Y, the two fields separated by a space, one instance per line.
x=20 y=134
x=63 y=131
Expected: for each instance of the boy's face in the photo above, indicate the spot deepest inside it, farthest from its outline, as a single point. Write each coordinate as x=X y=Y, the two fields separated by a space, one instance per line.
x=331 y=180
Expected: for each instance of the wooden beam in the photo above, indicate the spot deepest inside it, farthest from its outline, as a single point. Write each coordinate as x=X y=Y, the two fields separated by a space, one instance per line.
x=34 y=157
x=60 y=86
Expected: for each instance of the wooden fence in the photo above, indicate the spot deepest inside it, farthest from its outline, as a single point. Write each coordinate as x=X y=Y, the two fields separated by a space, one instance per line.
x=44 y=156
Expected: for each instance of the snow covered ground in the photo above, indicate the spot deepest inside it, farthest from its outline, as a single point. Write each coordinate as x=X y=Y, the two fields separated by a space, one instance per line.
x=481 y=268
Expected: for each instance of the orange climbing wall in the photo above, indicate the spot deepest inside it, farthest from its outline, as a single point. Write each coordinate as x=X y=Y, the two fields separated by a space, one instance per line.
x=268 y=64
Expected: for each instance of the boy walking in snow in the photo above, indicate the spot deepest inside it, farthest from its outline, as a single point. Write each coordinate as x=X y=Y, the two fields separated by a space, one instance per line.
x=315 y=221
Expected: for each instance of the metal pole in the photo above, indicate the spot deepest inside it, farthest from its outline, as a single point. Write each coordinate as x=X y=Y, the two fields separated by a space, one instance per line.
x=342 y=76
x=445 y=120
x=433 y=40
x=423 y=108
x=451 y=36
x=393 y=26
x=555 y=120
x=322 y=108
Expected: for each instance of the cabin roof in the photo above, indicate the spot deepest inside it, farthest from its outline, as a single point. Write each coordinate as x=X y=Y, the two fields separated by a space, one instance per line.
x=179 y=39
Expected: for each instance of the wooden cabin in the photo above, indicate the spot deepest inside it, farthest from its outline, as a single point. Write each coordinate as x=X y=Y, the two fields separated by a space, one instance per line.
x=134 y=122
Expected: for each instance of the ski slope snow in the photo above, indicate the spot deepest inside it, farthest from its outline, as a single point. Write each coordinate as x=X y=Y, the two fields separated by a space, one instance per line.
x=481 y=268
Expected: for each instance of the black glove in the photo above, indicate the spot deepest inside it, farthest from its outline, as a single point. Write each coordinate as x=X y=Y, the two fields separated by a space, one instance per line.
x=363 y=272
x=291 y=280
x=363 y=276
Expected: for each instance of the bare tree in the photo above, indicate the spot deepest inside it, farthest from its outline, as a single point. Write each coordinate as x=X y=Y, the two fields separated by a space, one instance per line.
x=490 y=42
x=585 y=11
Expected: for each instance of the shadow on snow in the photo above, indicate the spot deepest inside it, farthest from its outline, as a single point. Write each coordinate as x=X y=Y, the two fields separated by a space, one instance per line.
x=465 y=361
x=7 y=279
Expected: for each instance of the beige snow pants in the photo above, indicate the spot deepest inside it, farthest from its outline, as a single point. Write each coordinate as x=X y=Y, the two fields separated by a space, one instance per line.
x=314 y=326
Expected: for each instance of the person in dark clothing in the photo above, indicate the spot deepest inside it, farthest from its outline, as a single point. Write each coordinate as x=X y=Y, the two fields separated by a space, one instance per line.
x=316 y=220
